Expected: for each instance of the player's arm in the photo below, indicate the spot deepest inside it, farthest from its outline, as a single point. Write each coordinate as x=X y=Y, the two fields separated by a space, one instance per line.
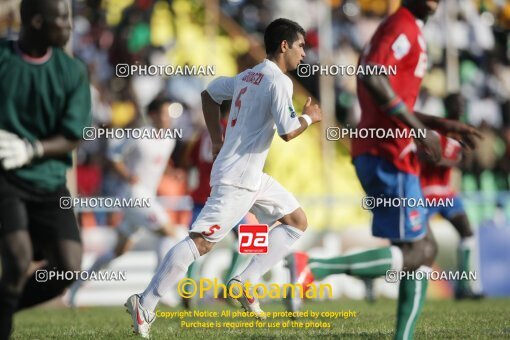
x=451 y=152
x=467 y=133
x=382 y=92
x=58 y=145
x=16 y=152
x=394 y=47
x=380 y=88
x=220 y=89
x=288 y=125
x=444 y=162
x=311 y=114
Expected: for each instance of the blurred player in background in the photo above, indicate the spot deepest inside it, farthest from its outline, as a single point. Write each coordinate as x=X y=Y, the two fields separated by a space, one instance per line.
x=201 y=156
x=435 y=184
x=45 y=104
x=139 y=163
x=390 y=167
x=262 y=98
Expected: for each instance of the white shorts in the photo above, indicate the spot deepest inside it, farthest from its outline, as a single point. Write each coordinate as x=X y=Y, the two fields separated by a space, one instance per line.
x=152 y=218
x=227 y=205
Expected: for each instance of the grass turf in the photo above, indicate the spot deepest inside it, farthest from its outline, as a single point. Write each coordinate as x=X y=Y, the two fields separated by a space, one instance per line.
x=484 y=319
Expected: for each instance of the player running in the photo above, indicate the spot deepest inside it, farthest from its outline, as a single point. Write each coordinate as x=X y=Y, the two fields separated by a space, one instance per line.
x=390 y=167
x=262 y=100
x=139 y=163
x=201 y=156
x=44 y=106
x=435 y=184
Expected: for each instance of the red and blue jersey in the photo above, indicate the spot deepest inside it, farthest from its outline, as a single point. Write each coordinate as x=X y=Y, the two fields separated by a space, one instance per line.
x=398 y=42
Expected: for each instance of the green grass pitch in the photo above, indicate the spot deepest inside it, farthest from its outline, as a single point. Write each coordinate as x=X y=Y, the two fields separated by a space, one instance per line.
x=484 y=319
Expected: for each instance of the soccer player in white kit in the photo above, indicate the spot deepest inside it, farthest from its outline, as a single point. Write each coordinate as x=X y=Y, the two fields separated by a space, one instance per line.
x=139 y=165
x=261 y=103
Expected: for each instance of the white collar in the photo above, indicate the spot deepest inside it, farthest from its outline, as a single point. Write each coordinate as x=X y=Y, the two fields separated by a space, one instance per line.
x=272 y=64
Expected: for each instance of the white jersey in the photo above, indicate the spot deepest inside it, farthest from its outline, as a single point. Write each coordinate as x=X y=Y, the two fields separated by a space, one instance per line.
x=261 y=102
x=145 y=158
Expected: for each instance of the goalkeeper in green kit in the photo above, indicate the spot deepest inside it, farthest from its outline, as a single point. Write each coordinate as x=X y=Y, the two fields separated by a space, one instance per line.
x=44 y=106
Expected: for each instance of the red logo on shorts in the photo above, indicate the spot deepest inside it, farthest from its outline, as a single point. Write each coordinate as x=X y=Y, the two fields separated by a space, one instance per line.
x=253 y=238
x=212 y=229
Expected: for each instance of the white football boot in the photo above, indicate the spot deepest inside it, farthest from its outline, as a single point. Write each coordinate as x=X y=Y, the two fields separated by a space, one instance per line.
x=249 y=304
x=142 y=319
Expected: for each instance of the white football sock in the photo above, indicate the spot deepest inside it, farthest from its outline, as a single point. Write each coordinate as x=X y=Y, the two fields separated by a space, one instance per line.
x=281 y=239
x=397 y=258
x=172 y=269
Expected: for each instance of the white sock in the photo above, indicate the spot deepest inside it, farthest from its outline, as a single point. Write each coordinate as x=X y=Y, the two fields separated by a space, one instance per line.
x=172 y=269
x=281 y=239
x=397 y=258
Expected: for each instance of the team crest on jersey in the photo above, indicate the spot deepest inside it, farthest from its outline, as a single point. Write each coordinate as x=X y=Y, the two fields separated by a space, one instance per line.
x=401 y=46
x=292 y=112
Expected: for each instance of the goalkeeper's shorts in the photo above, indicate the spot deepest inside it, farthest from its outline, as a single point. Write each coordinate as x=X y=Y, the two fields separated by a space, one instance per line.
x=39 y=213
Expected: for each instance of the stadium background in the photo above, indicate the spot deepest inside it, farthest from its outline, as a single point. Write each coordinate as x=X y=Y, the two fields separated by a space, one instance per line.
x=469 y=51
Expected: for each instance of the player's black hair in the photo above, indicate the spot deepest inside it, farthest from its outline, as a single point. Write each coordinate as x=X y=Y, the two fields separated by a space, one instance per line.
x=279 y=30
x=156 y=104
x=29 y=8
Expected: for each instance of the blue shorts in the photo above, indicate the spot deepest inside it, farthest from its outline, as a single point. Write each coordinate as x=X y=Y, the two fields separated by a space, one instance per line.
x=448 y=212
x=380 y=178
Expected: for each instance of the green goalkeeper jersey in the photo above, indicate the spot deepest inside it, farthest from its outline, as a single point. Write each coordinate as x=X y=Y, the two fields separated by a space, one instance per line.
x=41 y=98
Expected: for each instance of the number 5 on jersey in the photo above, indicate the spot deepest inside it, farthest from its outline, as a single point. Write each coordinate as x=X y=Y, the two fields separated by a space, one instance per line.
x=238 y=106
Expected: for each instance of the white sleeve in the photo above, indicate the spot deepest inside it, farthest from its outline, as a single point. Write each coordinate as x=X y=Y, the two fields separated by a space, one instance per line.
x=221 y=89
x=283 y=112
